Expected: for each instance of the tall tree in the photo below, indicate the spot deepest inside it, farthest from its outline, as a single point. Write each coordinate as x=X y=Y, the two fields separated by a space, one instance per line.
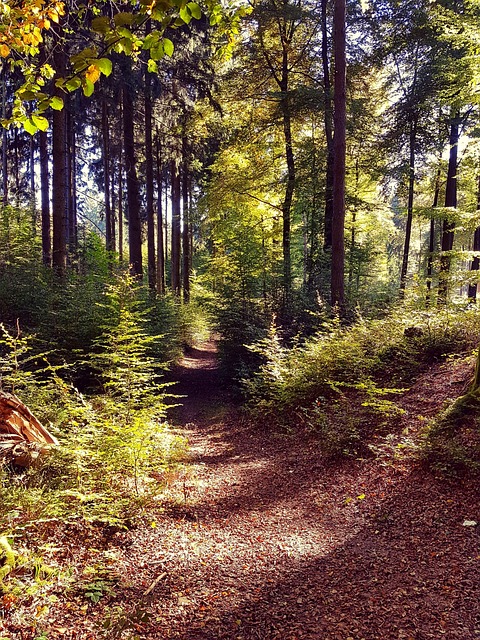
x=339 y=141
x=133 y=197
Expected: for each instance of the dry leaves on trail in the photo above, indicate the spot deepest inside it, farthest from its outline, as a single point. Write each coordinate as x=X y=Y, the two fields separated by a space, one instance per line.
x=273 y=542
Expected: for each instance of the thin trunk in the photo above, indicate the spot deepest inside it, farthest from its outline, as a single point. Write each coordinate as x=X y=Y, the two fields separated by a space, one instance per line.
x=160 y=242
x=16 y=168
x=109 y=233
x=186 y=229
x=4 y=138
x=45 y=191
x=33 y=199
x=353 y=231
x=59 y=176
x=176 y=197
x=287 y=202
x=338 y=226
x=149 y=184
x=450 y=201
x=133 y=198
x=472 y=289
x=431 y=240
x=328 y=115
x=411 y=186
x=120 y=210
x=71 y=180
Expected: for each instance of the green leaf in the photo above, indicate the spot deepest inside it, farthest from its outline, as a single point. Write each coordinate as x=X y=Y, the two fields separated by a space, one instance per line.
x=88 y=87
x=56 y=103
x=195 y=10
x=151 y=40
x=152 y=66
x=40 y=122
x=101 y=24
x=185 y=15
x=123 y=18
x=168 y=47
x=30 y=127
x=73 y=84
x=157 y=52
x=105 y=66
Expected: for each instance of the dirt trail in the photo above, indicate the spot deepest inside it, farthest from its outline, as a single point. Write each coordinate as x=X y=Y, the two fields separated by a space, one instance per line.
x=268 y=541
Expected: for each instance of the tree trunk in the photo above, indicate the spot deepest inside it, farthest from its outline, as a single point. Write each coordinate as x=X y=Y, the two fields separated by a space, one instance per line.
x=176 y=198
x=120 y=209
x=71 y=179
x=287 y=202
x=59 y=175
x=160 y=241
x=4 y=138
x=133 y=198
x=328 y=116
x=338 y=225
x=411 y=185
x=450 y=201
x=152 y=274
x=431 y=240
x=109 y=235
x=45 y=191
x=186 y=227
x=472 y=288
x=33 y=199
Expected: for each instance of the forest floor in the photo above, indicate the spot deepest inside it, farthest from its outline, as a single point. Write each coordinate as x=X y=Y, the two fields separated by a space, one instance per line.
x=259 y=537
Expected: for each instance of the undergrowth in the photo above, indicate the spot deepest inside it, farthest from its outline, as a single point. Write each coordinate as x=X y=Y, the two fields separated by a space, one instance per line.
x=320 y=382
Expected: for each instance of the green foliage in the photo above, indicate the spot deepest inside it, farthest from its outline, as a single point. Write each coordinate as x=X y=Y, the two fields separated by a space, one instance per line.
x=305 y=385
x=452 y=441
x=110 y=441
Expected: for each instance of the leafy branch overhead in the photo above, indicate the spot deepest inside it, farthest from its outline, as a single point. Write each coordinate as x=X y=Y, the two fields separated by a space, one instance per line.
x=26 y=27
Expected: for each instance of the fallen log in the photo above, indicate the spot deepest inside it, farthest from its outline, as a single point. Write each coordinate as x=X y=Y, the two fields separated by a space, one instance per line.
x=22 y=436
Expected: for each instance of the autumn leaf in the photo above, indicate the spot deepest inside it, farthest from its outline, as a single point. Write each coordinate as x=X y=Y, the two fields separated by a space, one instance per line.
x=92 y=73
x=4 y=50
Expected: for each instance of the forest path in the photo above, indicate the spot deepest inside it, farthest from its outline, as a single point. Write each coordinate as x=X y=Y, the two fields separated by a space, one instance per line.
x=264 y=539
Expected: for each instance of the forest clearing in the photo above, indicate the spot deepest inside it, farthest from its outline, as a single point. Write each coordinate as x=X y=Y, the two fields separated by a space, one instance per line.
x=239 y=327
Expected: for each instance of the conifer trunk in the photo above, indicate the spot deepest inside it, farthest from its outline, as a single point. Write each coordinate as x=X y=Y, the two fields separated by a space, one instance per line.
x=338 y=223
x=175 y=236
x=450 y=201
x=133 y=199
x=59 y=176
x=109 y=234
x=411 y=188
x=328 y=119
x=152 y=273
x=472 y=289
x=160 y=240
x=431 y=240
x=186 y=227
x=45 y=198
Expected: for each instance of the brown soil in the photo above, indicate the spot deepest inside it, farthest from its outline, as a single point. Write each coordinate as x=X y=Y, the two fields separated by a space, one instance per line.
x=265 y=539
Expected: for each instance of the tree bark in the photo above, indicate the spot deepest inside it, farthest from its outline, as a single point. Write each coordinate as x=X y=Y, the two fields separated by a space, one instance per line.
x=431 y=240
x=133 y=198
x=472 y=288
x=109 y=234
x=160 y=240
x=175 y=256
x=411 y=190
x=152 y=274
x=4 y=138
x=45 y=202
x=59 y=175
x=338 y=223
x=328 y=119
x=450 y=201
x=186 y=227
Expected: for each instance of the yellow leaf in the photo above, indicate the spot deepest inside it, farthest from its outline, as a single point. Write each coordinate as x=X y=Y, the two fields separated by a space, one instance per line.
x=92 y=73
x=361 y=496
x=4 y=50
